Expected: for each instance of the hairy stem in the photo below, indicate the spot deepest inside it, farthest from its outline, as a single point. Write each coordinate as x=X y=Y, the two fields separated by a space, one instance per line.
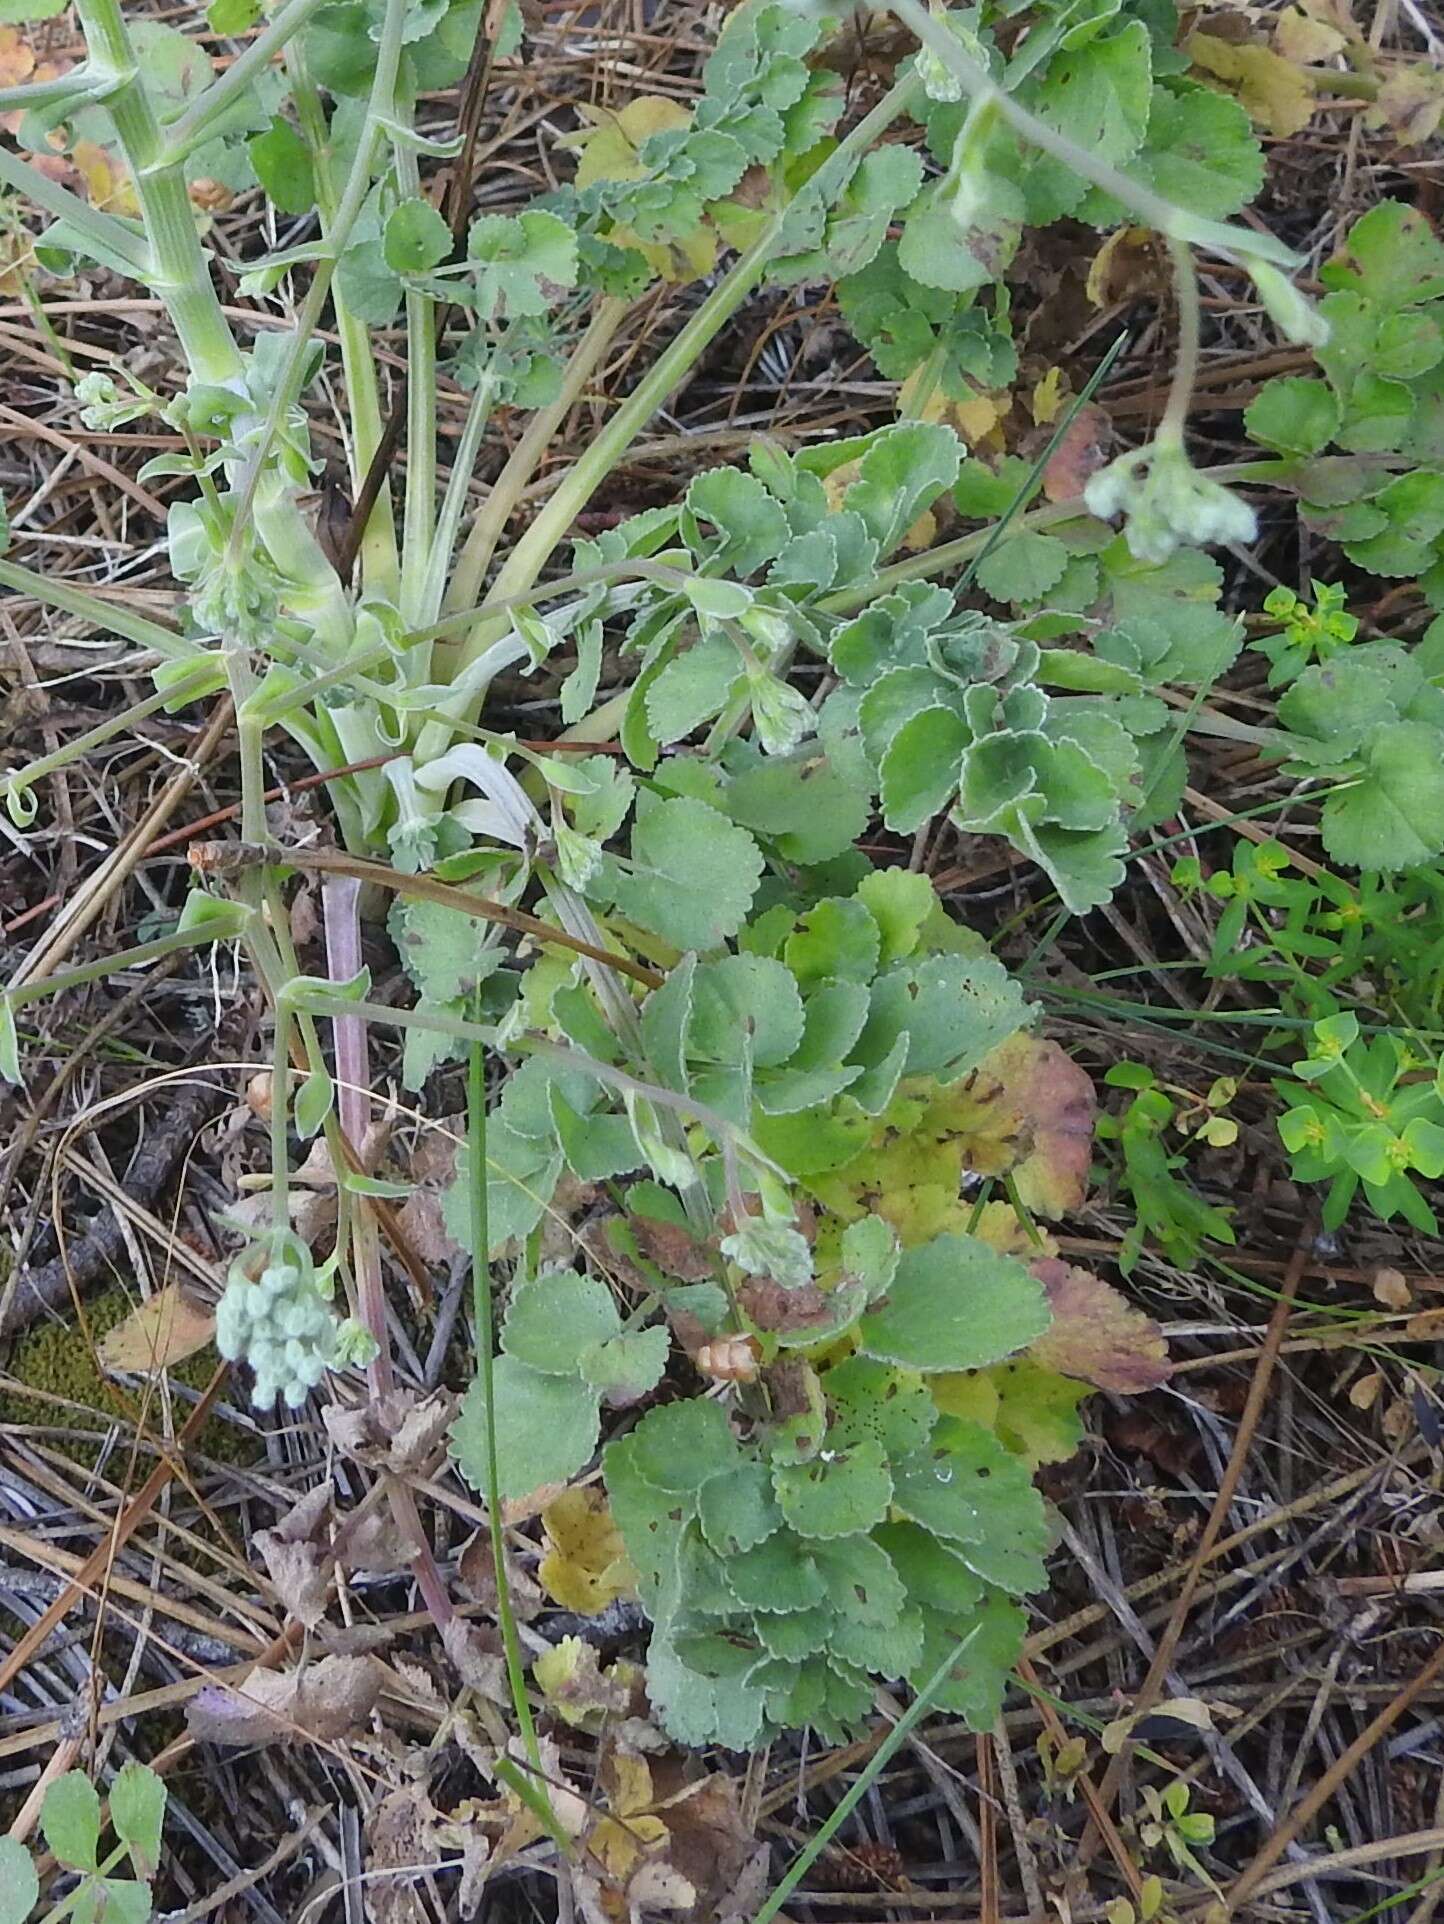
x=1185 y=364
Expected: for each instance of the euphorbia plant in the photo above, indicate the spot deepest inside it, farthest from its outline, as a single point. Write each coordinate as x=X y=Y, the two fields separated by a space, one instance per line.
x=721 y=1003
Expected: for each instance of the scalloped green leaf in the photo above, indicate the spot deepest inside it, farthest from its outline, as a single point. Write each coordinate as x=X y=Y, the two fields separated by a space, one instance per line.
x=550 y=1322
x=837 y=1493
x=965 y=1487
x=546 y=1428
x=955 y=1303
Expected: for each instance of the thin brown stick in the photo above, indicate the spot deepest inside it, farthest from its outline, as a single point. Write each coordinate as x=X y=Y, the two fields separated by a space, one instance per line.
x=126 y=1524
x=221 y=858
x=1248 y=1882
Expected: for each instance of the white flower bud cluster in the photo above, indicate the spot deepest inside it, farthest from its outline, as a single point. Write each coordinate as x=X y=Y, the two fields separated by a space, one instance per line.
x=285 y=1329
x=1167 y=503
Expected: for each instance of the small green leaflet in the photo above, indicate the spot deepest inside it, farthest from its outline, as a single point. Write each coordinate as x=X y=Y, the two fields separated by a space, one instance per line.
x=283 y=165
x=523 y=262
x=19 y=1886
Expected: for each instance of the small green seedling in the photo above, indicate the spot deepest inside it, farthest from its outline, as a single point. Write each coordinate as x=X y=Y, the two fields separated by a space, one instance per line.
x=71 y=1823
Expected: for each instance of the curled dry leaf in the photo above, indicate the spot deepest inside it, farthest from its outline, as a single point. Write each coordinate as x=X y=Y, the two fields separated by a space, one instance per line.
x=477 y=1570
x=317 y=1703
x=1096 y=1333
x=297 y=1554
x=1192 y=1711
x=163 y=1330
x=476 y=1655
x=1391 y=1288
x=571 y=1679
x=399 y=1432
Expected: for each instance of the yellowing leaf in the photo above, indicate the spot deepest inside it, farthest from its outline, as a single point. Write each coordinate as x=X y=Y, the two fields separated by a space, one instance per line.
x=586 y=1566
x=17 y=58
x=922 y=533
x=1031 y=1410
x=971 y=1394
x=1272 y=90
x=572 y=1683
x=107 y=184
x=162 y=1331
x=1048 y=398
x=1297 y=36
x=686 y=258
x=609 y=148
x=629 y=1833
x=1130 y=262
x=979 y=419
x=1410 y=105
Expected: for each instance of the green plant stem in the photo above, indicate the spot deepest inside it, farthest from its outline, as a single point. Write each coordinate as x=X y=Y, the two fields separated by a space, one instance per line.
x=380 y=562
x=490 y=523
x=103 y=967
x=280 y=1111
x=1185 y=361
x=485 y=1339
x=453 y=505
x=178 y=269
x=52 y=591
x=1149 y=206
x=201 y=680
x=193 y=125
x=114 y=239
x=76 y=85
x=418 y=526
x=380 y=107
x=537 y=545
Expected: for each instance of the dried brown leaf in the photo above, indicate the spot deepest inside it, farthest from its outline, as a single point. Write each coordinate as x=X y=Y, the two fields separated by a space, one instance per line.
x=1085 y=447
x=399 y=1431
x=476 y=1655
x=297 y=1554
x=321 y=1703
x=477 y=1570
x=163 y=1330
x=1391 y=1288
x=401 y=1833
x=1096 y=1333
